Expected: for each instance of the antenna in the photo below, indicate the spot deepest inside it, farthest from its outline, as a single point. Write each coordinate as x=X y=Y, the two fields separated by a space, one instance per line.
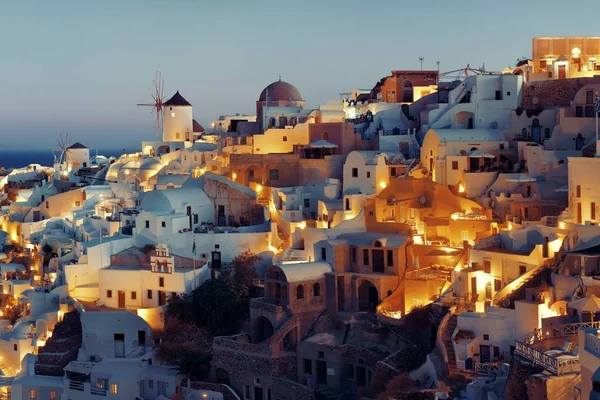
x=157 y=106
x=421 y=59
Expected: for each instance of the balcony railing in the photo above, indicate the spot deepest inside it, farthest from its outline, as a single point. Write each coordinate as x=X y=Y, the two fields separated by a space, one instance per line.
x=592 y=343
x=74 y=385
x=491 y=369
x=97 y=391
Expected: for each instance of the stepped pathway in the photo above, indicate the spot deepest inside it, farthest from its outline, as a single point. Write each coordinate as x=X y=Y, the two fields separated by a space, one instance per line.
x=447 y=337
x=61 y=348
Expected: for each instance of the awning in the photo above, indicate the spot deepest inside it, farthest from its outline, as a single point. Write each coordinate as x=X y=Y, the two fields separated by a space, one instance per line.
x=586 y=304
x=321 y=144
x=521 y=178
x=80 y=367
x=480 y=154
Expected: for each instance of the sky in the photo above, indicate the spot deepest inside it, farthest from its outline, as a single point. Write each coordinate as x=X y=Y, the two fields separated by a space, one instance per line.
x=82 y=66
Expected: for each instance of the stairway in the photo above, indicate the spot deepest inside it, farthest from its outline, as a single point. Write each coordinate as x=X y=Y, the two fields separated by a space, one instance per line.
x=450 y=327
x=61 y=348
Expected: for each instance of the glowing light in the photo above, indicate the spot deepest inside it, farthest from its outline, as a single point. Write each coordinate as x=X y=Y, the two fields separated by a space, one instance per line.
x=510 y=226
x=561 y=225
x=233 y=176
x=382 y=185
x=418 y=239
x=454 y=216
x=172 y=115
x=461 y=188
x=273 y=249
x=302 y=225
x=259 y=188
x=348 y=216
x=204 y=395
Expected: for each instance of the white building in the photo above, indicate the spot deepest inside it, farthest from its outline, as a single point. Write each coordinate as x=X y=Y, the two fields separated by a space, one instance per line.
x=584 y=189
x=463 y=158
x=134 y=287
x=368 y=171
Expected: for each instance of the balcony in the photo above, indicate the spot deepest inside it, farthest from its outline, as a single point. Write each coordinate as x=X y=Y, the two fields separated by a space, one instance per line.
x=540 y=347
x=264 y=304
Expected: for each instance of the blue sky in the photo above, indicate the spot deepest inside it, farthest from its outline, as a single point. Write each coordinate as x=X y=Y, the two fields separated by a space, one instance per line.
x=81 y=66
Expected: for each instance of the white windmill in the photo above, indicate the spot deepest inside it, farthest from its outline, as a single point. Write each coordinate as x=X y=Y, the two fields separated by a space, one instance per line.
x=60 y=161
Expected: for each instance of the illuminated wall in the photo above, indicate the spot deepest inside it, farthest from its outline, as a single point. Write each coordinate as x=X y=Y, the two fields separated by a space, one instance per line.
x=565 y=57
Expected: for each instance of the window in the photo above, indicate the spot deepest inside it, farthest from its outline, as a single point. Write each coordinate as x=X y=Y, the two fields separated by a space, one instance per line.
x=114 y=389
x=323 y=253
x=497 y=285
x=320 y=354
x=150 y=384
x=353 y=255
x=15 y=347
x=285 y=138
x=543 y=64
x=508 y=93
x=487 y=266
x=52 y=395
x=147 y=224
x=306 y=203
x=578 y=194
x=496 y=352
x=47 y=204
x=593 y=210
x=486 y=336
x=133 y=295
x=454 y=165
x=274 y=174
x=350 y=371
x=149 y=294
x=365 y=256
x=101 y=383
x=163 y=224
x=77 y=203
x=390 y=258
x=368 y=174
x=246 y=392
x=355 y=172
x=177 y=135
x=32 y=393
x=109 y=294
x=195 y=218
x=347 y=204
x=307 y=367
x=589 y=97
x=161 y=282
x=300 y=292
x=522 y=269
x=317 y=289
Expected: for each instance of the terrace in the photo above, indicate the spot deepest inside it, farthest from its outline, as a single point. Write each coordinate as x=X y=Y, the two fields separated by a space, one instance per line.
x=550 y=349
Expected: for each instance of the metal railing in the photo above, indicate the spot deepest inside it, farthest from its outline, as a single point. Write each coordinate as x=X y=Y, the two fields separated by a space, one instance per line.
x=97 y=391
x=76 y=385
x=491 y=369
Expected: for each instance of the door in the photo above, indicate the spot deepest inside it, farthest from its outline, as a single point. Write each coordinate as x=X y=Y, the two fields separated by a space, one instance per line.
x=162 y=388
x=340 y=293
x=474 y=288
x=321 y=372
x=484 y=353
x=121 y=299
x=258 y=393
x=378 y=262
x=221 y=216
x=373 y=298
x=562 y=72
x=162 y=298
x=119 y=339
x=36 y=216
x=579 y=213
x=141 y=338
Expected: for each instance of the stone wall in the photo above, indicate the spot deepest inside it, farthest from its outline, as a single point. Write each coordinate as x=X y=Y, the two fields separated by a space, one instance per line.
x=551 y=93
x=290 y=390
x=544 y=386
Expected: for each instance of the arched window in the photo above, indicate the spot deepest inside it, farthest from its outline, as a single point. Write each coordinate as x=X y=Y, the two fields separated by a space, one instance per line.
x=377 y=243
x=317 y=289
x=300 y=292
x=536 y=122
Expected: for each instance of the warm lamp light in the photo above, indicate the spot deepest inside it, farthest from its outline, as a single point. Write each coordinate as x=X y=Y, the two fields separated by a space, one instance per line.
x=461 y=188
x=382 y=185
x=234 y=176
x=259 y=188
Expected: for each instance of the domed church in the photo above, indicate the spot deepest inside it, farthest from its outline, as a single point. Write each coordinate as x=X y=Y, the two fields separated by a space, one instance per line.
x=277 y=94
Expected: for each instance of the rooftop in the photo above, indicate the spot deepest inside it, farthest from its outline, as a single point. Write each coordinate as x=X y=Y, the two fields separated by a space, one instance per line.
x=177 y=100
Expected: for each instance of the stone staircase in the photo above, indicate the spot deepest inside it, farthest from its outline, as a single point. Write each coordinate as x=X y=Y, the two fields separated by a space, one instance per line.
x=324 y=393
x=452 y=322
x=61 y=348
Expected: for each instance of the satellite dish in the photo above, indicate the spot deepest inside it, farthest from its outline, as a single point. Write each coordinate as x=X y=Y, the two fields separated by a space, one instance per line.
x=422 y=200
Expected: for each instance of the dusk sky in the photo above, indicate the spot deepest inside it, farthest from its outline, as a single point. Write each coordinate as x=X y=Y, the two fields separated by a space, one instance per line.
x=81 y=66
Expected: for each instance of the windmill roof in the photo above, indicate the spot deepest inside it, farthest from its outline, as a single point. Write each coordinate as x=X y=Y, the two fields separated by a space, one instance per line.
x=197 y=126
x=77 y=145
x=177 y=100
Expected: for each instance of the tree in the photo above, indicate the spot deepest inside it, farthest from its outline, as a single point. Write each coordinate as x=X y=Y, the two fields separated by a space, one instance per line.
x=242 y=271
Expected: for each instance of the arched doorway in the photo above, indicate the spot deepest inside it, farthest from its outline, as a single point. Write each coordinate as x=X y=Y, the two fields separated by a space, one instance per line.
x=262 y=329
x=222 y=376
x=536 y=131
x=368 y=296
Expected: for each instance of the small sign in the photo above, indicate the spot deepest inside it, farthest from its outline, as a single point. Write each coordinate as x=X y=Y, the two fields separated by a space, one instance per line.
x=331 y=371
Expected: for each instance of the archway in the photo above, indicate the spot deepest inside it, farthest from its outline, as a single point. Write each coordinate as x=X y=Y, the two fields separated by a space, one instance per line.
x=163 y=150
x=262 y=329
x=222 y=376
x=407 y=92
x=368 y=296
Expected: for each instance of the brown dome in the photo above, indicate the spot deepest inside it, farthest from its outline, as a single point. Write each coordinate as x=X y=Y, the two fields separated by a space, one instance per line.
x=280 y=91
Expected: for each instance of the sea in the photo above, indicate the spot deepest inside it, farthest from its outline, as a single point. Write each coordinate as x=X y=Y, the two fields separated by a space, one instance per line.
x=21 y=158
